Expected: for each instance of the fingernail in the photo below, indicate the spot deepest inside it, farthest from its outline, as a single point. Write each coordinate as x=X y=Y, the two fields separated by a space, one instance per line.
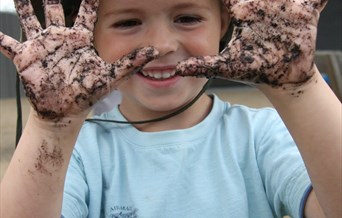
x=137 y=70
x=52 y=2
x=151 y=53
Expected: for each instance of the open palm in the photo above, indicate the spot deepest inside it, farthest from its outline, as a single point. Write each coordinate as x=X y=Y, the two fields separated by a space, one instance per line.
x=59 y=67
x=273 y=43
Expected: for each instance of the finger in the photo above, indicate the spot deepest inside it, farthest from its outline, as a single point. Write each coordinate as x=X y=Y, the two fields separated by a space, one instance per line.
x=87 y=14
x=28 y=20
x=97 y=83
x=230 y=65
x=54 y=14
x=207 y=66
x=230 y=3
x=132 y=63
x=8 y=46
x=319 y=4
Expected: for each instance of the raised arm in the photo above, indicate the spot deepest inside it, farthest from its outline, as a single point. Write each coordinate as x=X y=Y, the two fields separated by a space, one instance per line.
x=63 y=77
x=273 y=47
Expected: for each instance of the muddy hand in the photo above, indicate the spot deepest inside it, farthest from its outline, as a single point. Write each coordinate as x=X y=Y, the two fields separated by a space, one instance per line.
x=59 y=67
x=273 y=43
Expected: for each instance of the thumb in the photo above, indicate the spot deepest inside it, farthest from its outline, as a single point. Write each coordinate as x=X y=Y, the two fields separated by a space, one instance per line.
x=133 y=62
x=204 y=66
x=8 y=46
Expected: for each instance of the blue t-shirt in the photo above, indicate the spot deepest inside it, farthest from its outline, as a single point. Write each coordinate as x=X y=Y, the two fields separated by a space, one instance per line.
x=238 y=162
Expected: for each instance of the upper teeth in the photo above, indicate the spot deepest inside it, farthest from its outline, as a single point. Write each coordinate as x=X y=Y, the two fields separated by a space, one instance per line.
x=159 y=75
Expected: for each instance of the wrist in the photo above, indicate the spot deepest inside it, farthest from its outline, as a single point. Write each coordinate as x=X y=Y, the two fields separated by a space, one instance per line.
x=315 y=95
x=66 y=124
x=294 y=91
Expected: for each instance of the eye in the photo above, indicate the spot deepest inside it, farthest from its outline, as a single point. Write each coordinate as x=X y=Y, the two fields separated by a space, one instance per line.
x=124 y=24
x=188 y=19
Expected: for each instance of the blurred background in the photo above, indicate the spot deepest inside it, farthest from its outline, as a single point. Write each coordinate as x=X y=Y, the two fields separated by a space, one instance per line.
x=328 y=59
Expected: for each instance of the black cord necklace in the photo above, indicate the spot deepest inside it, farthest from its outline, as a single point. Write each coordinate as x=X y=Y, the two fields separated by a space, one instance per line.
x=182 y=109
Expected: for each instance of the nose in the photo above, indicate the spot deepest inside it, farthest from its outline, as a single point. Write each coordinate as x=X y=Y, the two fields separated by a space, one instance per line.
x=163 y=38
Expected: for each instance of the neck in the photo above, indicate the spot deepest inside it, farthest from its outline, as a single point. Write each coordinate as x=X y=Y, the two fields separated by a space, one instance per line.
x=188 y=118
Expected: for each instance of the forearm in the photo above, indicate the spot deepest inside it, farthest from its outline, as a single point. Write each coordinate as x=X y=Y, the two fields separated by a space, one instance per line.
x=34 y=181
x=313 y=115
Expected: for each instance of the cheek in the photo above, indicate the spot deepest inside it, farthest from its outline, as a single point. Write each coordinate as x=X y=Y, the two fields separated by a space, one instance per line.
x=201 y=44
x=110 y=47
x=198 y=82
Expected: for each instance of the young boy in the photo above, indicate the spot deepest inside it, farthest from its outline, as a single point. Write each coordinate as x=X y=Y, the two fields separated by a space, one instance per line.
x=211 y=160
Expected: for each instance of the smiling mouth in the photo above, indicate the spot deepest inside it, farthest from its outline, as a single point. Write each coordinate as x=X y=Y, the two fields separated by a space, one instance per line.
x=158 y=75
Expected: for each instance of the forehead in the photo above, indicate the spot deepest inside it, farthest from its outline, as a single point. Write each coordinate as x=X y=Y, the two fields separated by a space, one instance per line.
x=159 y=4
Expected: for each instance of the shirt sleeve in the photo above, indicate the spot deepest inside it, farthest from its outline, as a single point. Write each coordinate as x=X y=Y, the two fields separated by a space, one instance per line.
x=75 y=190
x=281 y=166
x=304 y=200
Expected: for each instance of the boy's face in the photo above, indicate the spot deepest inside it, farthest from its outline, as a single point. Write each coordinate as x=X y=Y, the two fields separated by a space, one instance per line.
x=178 y=29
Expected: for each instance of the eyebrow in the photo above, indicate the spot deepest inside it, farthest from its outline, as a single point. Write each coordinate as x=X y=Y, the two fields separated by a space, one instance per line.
x=186 y=5
x=122 y=11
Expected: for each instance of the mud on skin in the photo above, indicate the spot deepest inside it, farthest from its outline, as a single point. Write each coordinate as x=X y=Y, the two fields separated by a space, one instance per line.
x=88 y=80
x=47 y=160
x=60 y=69
x=273 y=43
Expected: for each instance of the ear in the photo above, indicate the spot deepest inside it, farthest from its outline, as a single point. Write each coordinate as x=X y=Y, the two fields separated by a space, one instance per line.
x=225 y=20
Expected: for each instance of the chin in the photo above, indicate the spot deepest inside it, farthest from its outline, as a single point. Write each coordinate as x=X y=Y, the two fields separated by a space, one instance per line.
x=164 y=106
